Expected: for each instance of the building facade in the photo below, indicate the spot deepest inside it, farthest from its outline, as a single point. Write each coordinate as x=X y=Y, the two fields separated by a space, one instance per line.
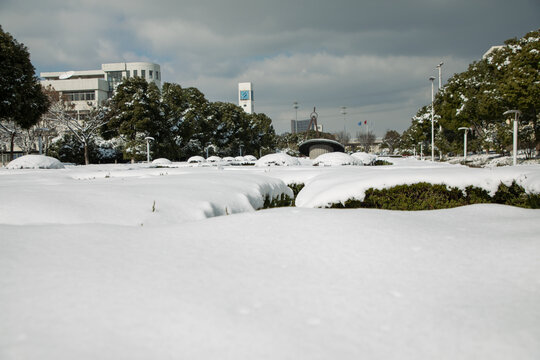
x=89 y=88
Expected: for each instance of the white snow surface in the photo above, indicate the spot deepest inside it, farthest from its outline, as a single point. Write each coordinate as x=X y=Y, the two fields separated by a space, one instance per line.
x=35 y=162
x=279 y=159
x=131 y=262
x=336 y=159
x=365 y=158
x=162 y=161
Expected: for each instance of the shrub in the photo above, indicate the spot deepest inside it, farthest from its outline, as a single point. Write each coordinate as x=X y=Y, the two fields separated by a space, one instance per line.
x=426 y=196
x=280 y=201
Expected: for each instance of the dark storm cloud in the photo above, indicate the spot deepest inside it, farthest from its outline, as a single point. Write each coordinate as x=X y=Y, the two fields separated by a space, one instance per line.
x=372 y=56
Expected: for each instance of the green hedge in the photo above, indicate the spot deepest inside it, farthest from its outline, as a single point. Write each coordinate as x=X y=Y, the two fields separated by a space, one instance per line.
x=426 y=196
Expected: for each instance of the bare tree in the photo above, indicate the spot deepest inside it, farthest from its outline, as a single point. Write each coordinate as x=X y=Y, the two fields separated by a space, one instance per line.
x=366 y=139
x=342 y=137
x=83 y=127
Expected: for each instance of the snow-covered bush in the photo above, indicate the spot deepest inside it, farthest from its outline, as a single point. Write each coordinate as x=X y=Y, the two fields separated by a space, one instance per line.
x=365 y=158
x=35 y=162
x=195 y=160
x=161 y=161
x=336 y=159
x=280 y=159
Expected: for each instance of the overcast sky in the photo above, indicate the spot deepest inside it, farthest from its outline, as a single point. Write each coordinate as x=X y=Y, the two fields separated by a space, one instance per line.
x=374 y=57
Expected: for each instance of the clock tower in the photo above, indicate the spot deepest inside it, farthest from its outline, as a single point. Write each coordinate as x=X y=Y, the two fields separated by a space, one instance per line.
x=245 y=97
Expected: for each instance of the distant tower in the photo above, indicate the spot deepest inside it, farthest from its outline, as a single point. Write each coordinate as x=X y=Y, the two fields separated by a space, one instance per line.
x=245 y=97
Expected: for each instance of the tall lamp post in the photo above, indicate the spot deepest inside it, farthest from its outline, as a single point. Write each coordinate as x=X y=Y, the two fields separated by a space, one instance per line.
x=344 y=112
x=295 y=106
x=464 y=141
x=516 y=114
x=440 y=77
x=431 y=78
x=148 y=139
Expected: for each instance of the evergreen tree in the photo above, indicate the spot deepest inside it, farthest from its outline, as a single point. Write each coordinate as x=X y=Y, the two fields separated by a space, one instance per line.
x=391 y=140
x=135 y=113
x=22 y=101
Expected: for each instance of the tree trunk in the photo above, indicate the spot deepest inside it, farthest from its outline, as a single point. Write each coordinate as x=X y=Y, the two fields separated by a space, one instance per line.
x=12 y=146
x=86 y=158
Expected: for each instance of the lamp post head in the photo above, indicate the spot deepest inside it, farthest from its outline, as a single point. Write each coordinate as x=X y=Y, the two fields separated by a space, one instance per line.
x=517 y=112
x=149 y=138
x=441 y=64
x=464 y=128
x=431 y=78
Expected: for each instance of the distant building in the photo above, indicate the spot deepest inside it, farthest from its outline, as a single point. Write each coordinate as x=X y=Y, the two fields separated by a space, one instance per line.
x=245 y=97
x=88 y=88
x=301 y=126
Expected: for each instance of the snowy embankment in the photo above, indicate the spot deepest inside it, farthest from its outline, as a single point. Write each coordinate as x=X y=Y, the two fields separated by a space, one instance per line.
x=277 y=284
x=131 y=195
x=333 y=185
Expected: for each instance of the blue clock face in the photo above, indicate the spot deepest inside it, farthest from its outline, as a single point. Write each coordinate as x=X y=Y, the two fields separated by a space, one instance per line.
x=244 y=95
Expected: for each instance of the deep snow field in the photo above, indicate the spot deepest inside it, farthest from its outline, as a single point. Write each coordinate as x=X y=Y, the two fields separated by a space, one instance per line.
x=141 y=262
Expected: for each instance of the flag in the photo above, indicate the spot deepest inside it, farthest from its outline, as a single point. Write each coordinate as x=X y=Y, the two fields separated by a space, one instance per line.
x=365 y=122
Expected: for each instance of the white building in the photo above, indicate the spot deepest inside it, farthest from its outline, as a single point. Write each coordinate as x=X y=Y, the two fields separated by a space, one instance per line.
x=245 y=97
x=88 y=88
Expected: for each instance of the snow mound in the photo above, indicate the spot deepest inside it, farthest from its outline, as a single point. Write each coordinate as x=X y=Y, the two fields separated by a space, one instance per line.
x=213 y=159
x=336 y=159
x=35 y=162
x=280 y=159
x=250 y=158
x=365 y=158
x=195 y=159
x=228 y=159
x=162 y=161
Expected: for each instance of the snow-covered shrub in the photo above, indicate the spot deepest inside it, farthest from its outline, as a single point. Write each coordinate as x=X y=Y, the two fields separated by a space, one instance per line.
x=336 y=159
x=280 y=159
x=195 y=160
x=35 y=162
x=365 y=158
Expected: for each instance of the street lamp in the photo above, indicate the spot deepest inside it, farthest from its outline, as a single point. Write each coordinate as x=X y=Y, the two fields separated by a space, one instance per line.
x=148 y=139
x=516 y=113
x=208 y=146
x=440 y=78
x=431 y=78
x=40 y=139
x=464 y=141
x=241 y=146
x=344 y=112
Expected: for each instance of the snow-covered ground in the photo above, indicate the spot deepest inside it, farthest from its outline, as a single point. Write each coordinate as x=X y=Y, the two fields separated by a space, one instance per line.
x=135 y=262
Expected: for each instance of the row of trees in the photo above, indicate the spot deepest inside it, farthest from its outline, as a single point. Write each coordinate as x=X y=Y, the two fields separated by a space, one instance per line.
x=181 y=120
x=508 y=78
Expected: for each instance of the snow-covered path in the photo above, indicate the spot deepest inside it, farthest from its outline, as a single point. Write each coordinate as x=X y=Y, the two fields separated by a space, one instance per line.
x=277 y=284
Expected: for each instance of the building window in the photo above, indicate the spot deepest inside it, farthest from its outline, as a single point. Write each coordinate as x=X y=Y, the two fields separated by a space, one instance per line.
x=79 y=95
x=127 y=74
x=150 y=74
x=143 y=74
x=157 y=75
